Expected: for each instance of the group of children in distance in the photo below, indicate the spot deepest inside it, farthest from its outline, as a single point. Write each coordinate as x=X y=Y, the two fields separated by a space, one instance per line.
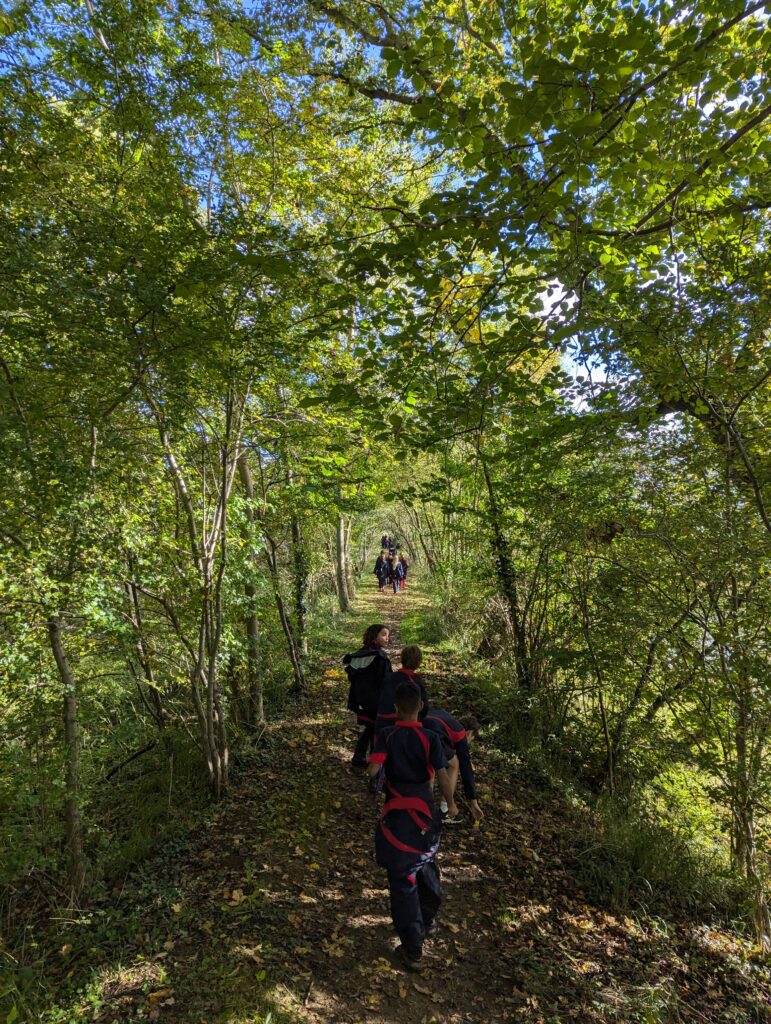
x=391 y=566
x=406 y=744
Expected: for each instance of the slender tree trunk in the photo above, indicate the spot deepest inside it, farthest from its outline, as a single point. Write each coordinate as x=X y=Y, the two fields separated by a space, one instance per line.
x=300 y=684
x=143 y=656
x=253 y=654
x=256 y=712
x=295 y=658
x=204 y=677
x=508 y=583
x=342 y=589
x=300 y=566
x=73 y=826
x=348 y=563
x=745 y=817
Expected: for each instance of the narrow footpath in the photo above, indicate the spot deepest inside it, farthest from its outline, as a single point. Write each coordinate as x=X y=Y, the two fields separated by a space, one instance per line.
x=275 y=912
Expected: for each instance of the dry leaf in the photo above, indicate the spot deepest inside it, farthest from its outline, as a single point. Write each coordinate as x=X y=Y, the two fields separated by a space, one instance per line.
x=162 y=993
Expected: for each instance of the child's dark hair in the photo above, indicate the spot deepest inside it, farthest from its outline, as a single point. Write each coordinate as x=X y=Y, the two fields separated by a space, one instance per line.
x=371 y=634
x=407 y=698
x=470 y=724
x=411 y=657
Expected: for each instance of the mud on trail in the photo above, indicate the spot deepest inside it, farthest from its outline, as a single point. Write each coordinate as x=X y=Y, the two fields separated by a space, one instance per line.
x=275 y=911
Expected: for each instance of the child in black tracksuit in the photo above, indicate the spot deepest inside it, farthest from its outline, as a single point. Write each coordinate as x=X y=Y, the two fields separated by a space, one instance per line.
x=456 y=736
x=386 y=712
x=407 y=834
x=367 y=670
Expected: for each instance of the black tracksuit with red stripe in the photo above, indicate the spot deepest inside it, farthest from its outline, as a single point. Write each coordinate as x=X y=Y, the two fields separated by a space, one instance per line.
x=407 y=834
x=454 y=737
x=386 y=711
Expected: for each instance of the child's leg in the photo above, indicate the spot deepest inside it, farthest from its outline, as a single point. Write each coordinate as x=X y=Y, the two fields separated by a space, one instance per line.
x=405 y=911
x=363 y=745
x=429 y=892
x=453 y=769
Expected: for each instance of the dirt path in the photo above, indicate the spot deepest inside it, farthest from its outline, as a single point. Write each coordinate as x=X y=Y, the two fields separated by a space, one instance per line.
x=277 y=914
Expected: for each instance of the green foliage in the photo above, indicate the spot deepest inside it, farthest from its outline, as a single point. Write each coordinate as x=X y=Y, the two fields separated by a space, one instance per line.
x=498 y=274
x=630 y=862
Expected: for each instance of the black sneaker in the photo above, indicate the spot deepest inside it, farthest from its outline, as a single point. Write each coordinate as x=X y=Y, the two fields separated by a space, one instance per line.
x=409 y=962
x=447 y=820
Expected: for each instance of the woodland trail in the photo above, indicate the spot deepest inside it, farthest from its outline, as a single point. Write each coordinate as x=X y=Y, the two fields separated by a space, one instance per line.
x=275 y=912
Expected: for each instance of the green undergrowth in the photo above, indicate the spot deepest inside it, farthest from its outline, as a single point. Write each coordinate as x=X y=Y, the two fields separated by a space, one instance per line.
x=654 y=848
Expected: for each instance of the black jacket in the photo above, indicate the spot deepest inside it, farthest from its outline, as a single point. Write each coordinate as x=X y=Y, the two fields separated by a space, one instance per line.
x=366 y=669
x=386 y=711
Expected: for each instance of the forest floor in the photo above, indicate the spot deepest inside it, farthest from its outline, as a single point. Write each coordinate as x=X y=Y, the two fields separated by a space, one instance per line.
x=274 y=911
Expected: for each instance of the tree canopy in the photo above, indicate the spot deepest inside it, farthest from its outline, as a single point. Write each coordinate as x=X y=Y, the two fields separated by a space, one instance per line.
x=494 y=276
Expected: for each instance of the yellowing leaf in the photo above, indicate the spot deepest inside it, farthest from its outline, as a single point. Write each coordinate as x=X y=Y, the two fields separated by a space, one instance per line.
x=161 y=993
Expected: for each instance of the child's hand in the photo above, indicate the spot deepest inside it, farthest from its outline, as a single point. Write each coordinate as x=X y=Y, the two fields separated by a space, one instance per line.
x=476 y=811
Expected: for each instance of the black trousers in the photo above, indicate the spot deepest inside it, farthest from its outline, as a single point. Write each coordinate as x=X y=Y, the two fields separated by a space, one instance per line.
x=364 y=743
x=415 y=901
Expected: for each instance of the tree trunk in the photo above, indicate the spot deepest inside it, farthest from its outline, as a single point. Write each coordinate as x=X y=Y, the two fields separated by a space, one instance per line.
x=256 y=712
x=253 y=656
x=300 y=685
x=295 y=658
x=348 y=563
x=745 y=817
x=300 y=566
x=143 y=656
x=73 y=826
x=508 y=583
x=342 y=589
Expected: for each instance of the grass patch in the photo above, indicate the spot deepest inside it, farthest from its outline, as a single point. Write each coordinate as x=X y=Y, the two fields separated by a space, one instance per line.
x=633 y=862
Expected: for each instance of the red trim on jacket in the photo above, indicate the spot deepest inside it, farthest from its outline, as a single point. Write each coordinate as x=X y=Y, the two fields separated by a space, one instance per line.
x=453 y=736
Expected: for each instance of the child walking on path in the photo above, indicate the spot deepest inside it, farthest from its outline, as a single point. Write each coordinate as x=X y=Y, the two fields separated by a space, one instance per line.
x=367 y=669
x=411 y=658
x=456 y=736
x=405 y=568
x=381 y=570
x=397 y=573
x=407 y=834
